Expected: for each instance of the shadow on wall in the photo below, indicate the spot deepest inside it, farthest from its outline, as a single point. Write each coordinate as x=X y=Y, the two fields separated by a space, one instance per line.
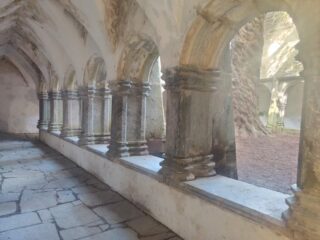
x=19 y=104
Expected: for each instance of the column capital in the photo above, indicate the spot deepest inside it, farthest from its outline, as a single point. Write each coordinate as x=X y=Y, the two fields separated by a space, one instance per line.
x=190 y=78
x=142 y=88
x=57 y=95
x=43 y=95
x=121 y=87
x=70 y=94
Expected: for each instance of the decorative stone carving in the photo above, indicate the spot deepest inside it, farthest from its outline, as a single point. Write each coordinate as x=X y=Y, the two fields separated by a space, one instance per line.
x=189 y=123
x=71 y=114
x=95 y=104
x=56 y=112
x=44 y=114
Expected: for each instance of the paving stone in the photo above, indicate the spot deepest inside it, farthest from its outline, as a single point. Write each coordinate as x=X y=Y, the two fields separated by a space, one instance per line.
x=8 y=208
x=104 y=227
x=118 y=212
x=45 y=215
x=99 y=198
x=17 y=221
x=146 y=226
x=32 y=201
x=65 y=196
x=39 y=232
x=79 y=232
x=115 y=234
x=9 y=197
x=16 y=180
x=68 y=215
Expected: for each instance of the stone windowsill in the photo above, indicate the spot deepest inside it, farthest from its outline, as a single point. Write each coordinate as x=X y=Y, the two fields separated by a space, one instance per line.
x=256 y=203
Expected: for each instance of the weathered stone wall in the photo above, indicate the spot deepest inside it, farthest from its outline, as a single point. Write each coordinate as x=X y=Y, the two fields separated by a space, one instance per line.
x=18 y=100
x=246 y=53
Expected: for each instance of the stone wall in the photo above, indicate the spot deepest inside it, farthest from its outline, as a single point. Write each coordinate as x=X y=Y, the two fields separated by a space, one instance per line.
x=18 y=100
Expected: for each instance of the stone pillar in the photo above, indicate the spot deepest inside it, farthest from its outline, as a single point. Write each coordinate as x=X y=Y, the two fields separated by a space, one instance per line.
x=106 y=112
x=71 y=114
x=119 y=144
x=56 y=111
x=93 y=109
x=136 y=127
x=189 y=123
x=44 y=115
x=303 y=216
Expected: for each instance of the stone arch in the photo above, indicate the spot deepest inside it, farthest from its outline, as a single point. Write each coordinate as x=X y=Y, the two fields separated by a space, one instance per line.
x=54 y=84
x=218 y=22
x=137 y=58
x=95 y=72
x=70 y=80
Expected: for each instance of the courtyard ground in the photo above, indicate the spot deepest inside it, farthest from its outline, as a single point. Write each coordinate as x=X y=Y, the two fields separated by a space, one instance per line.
x=268 y=161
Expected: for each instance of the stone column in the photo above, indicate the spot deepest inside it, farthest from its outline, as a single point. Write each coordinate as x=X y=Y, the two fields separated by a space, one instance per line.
x=106 y=112
x=136 y=129
x=71 y=114
x=303 y=217
x=119 y=144
x=43 y=111
x=93 y=102
x=56 y=111
x=189 y=123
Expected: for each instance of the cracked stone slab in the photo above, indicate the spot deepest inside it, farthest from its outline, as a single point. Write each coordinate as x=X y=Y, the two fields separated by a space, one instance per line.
x=39 y=232
x=147 y=226
x=65 y=196
x=118 y=212
x=7 y=208
x=69 y=215
x=45 y=215
x=99 y=198
x=18 y=221
x=79 y=232
x=115 y=234
x=32 y=201
x=9 y=197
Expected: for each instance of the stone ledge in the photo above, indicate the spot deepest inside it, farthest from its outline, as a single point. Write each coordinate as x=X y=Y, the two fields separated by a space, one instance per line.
x=204 y=207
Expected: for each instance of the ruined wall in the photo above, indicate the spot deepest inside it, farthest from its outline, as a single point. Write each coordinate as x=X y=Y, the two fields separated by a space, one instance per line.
x=18 y=101
x=246 y=53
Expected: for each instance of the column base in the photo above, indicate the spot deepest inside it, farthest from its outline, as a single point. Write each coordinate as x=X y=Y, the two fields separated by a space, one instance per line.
x=118 y=149
x=303 y=215
x=70 y=132
x=54 y=127
x=42 y=125
x=187 y=169
x=138 y=148
x=94 y=139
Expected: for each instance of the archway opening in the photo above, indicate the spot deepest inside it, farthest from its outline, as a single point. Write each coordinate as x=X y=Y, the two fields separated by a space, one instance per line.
x=156 y=124
x=267 y=101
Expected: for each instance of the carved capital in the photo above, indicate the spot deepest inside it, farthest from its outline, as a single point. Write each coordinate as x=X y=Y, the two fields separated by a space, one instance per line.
x=121 y=88
x=70 y=95
x=187 y=78
x=141 y=89
x=43 y=96
x=55 y=95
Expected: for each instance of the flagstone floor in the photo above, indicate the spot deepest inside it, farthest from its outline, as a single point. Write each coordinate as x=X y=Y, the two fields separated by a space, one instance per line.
x=44 y=196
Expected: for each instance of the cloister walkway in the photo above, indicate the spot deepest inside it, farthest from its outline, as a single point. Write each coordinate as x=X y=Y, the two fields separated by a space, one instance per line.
x=43 y=195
